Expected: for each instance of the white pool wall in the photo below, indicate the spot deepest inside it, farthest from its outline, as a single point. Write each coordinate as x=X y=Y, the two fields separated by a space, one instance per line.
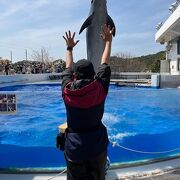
x=170 y=81
x=24 y=78
x=163 y=81
x=155 y=81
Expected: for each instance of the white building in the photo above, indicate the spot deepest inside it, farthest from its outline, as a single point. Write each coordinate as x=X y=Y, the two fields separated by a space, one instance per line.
x=169 y=33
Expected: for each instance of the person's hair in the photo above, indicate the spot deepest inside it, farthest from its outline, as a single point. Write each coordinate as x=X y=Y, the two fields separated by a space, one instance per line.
x=84 y=69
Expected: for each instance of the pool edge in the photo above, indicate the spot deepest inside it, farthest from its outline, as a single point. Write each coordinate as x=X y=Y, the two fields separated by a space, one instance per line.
x=113 y=166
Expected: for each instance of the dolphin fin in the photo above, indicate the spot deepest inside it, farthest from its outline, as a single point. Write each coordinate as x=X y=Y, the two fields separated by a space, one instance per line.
x=87 y=22
x=111 y=23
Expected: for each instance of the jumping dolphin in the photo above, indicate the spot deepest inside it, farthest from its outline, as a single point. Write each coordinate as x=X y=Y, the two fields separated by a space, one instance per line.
x=98 y=16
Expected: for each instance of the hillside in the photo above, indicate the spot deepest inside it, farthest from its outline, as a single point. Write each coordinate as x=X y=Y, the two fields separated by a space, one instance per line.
x=148 y=63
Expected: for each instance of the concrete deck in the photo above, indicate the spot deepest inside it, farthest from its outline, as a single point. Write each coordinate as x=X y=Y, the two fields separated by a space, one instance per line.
x=159 y=171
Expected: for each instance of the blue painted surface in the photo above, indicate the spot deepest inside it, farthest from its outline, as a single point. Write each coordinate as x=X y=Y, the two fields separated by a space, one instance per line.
x=137 y=118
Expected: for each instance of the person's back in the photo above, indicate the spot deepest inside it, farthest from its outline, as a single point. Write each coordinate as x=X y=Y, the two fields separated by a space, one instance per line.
x=7 y=68
x=84 y=95
x=84 y=100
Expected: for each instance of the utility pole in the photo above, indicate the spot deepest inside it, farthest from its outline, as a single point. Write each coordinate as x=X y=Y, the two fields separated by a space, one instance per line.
x=26 y=54
x=11 y=57
x=42 y=55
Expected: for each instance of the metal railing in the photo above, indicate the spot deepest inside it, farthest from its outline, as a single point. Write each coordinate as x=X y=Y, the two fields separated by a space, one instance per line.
x=131 y=75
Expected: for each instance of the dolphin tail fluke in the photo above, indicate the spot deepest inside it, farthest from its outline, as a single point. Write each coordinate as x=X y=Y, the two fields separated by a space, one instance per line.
x=111 y=23
x=86 y=23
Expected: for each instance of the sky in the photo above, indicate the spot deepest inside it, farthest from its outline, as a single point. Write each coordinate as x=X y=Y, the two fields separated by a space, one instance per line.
x=37 y=24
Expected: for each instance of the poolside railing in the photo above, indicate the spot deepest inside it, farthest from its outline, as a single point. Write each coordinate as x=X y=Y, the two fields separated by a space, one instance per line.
x=132 y=75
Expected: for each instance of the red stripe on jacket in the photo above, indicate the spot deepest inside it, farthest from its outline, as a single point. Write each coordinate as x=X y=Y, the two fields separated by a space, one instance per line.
x=85 y=97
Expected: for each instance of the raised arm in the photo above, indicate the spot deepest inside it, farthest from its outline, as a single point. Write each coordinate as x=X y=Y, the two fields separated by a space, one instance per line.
x=70 y=45
x=106 y=34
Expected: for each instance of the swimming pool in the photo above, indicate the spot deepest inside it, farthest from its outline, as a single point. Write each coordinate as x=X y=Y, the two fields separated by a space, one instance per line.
x=146 y=120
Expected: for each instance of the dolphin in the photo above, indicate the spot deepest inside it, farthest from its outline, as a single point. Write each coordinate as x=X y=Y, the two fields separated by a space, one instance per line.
x=98 y=16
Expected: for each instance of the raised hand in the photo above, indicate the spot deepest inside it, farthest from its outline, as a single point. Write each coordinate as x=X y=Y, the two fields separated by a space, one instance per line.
x=70 y=39
x=106 y=33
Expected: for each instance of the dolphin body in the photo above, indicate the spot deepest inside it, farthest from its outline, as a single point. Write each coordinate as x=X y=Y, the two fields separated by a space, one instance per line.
x=95 y=45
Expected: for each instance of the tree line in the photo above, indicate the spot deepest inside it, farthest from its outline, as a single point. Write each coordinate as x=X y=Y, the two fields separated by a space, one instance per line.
x=122 y=62
x=126 y=63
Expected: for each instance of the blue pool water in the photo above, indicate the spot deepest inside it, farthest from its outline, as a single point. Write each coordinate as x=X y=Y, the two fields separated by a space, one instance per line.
x=136 y=118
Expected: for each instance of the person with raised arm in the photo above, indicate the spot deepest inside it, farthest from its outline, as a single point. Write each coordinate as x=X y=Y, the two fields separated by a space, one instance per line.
x=84 y=93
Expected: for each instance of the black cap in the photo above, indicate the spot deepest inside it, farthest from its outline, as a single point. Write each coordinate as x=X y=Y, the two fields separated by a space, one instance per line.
x=84 y=69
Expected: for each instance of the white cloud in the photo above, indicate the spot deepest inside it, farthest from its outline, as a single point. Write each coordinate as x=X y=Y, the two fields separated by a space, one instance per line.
x=45 y=37
x=37 y=23
x=11 y=10
x=136 y=35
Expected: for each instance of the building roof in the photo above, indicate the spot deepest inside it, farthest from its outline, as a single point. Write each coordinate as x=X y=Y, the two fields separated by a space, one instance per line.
x=170 y=29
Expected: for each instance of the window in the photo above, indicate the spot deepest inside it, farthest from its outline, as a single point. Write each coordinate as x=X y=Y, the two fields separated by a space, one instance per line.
x=178 y=46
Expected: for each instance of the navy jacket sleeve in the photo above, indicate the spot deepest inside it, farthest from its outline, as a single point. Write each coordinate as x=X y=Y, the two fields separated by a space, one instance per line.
x=67 y=76
x=104 y=75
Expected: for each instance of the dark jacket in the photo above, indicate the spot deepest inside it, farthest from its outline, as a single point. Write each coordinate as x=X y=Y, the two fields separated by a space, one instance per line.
x=84 y=101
